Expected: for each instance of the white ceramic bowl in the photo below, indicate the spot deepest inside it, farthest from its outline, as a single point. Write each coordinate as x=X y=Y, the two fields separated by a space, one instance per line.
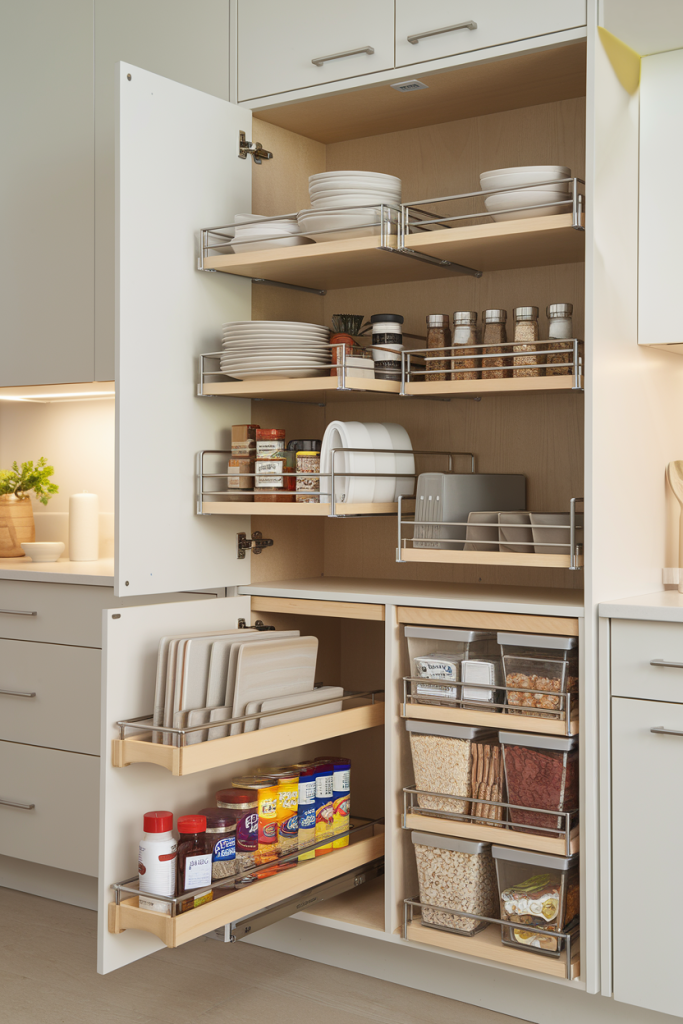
x=526 y=197
x=400 y=439
x=43 y=550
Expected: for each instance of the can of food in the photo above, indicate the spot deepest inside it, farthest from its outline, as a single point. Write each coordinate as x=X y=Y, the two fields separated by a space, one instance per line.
x=307 y=830
x=243 y=806
x=341 y=799
x=266 y=796
x=308 y=463
x=287 y=808
x=324 y=809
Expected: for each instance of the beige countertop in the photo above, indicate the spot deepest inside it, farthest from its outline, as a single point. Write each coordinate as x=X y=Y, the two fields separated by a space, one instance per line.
x=94 y=574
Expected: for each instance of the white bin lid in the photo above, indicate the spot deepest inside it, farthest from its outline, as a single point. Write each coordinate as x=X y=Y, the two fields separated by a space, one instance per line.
x=449 y=843
x=521 y=739
x=463 y=636
x=457 y=732
x=537 y=860
x=546 y=643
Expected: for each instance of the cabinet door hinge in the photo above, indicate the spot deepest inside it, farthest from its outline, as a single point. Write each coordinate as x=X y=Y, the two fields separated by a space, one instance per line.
x=255 y=148
x=256 y=543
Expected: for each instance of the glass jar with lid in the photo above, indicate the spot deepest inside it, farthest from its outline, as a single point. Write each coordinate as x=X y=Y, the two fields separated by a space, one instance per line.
x=559 y=327
x=525 y=340
x=438 y=338
x=465 y=346
x=220 y=830
x=495 y=361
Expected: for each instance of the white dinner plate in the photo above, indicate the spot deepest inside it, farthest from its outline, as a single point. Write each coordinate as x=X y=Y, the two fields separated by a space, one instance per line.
x=353 y=176
x=290 y=374
x=400 y=439
x=384 y=463
x=271 y=324
x=273 y=337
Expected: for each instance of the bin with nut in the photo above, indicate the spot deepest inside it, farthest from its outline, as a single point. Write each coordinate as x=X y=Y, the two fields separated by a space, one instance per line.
x=541 y=674
x=455 y=875
x=442 y=763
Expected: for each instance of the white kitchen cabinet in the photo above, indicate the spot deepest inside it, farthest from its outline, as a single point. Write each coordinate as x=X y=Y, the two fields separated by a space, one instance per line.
x=647 y=660
x=443 y=27
x=281 y=47
x=647 y=834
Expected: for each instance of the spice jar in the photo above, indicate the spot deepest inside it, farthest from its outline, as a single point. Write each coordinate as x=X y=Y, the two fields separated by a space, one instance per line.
x=540 y=891
x=439 y=338
x=465 y=346
x=194 y=860
x=269 y=442
x=525 y=340
x=455 y=874
x=559 y=327
x=243 y=439
x=387 y=345
x=221 y=828
x=241 y=477
x=156 y=861
x=541 y=772
x=243 y=807
x=307 y=463
x=495 y=359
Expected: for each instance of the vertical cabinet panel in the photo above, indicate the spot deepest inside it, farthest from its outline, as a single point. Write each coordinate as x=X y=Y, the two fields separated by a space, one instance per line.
x=647 y=832
x=178 y=171
x=277 y=45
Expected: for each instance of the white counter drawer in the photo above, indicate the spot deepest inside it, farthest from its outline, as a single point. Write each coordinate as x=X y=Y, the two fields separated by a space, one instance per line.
x=53 y=612
x=62 y=829
x=635 y=646
x=65 y=711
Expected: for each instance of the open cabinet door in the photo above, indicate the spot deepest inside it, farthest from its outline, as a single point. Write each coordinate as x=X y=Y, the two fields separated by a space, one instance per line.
x=130 y=644
x=178 y=171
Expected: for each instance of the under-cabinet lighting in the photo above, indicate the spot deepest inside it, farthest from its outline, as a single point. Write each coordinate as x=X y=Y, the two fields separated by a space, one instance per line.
x=43 y=393
x=68 y=396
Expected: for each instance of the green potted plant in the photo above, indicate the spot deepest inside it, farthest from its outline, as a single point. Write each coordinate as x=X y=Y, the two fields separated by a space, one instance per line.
x=16 y=513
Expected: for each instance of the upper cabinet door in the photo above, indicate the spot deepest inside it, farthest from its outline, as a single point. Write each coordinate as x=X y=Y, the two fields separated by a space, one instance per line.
x=178 y=171
x=496 y=21
x=282 y=48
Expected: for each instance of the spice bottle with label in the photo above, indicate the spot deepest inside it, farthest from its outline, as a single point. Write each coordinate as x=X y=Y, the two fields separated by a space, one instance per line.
x=307 y=463
x=243 y=806
x=495 y=359
x=465 y=346
x=194 y=860
x=220 y=828
x=157 y=861
x=559 y=327
x=274 y=467
x=387 y=345
x=439 y=338
x=525 y=340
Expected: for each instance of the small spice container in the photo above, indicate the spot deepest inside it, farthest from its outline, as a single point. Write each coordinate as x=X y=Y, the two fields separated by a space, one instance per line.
x=455 y=874
x=269 y=442
x=243 y=807
x=436 y=656
x=439 y=338
x=220 y=828
x=240 y=476
x=465 y=346
x=539 y=890
x=243 y=439
x=559 y=327
x=526 y=340
x=495 y=358
x=308 y=463
x=480 y=679
x=194 y=860
x=387 y=345
x=541 y=772
x=442 y=762
x=539 y=673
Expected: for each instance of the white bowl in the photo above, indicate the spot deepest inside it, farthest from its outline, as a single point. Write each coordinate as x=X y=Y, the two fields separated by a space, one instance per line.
x=43 y=550
x=523 y=198
x=546 y=170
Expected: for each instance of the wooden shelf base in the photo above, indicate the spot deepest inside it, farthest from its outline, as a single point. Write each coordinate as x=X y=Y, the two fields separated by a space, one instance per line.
x=310 y=389
x=491 y=834
x=491 y=719
x=276 y=508
x=513 y=385
x=488 y=946
x=515 y=558
x=216 y=753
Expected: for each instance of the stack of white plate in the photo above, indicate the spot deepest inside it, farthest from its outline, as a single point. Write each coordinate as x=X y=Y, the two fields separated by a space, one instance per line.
x=254 y=232
x=347 y=200
x=267 y=349
x=510 y=177
x=388 y=439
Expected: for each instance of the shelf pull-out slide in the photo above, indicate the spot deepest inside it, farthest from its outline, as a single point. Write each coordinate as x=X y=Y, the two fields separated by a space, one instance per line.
x=178 y=168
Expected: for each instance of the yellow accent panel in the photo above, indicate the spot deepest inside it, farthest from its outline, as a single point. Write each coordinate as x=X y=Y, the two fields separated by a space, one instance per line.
x=624 y=60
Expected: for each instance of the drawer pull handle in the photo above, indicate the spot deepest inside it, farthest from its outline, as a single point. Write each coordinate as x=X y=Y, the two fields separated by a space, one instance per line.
x=471 y=25
x=17 y=693
x=666 y=664
x=319 y=61
x=16 y=803
x=13 y=611
x=667 y=732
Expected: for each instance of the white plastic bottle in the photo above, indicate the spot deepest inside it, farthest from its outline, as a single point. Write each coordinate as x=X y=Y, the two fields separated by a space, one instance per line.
x=157 y=861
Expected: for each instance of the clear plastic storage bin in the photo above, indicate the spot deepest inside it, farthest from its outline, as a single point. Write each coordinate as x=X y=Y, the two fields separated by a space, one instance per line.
x=442 y=762
x=455 y=874
x=540 y=671
x=436 y=656
x=539 y=891
x=541 y=772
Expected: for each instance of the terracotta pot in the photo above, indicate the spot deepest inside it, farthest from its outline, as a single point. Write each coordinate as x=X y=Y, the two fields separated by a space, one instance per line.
x=16 y=525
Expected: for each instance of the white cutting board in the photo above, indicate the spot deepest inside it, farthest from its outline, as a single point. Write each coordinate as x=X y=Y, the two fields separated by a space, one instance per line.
x=272 y=670
x=217 y=691
x=308 y=697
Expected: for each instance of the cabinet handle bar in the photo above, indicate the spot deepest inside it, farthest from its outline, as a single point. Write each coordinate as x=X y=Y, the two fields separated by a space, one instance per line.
x=13 y=611
x=471 y=25
x=16 y=803
x=667 y=732
x=17 y=693
x=319 y=61
x=659 y=662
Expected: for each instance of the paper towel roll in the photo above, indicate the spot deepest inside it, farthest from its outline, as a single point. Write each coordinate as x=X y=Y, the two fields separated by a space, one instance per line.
x=84 y=527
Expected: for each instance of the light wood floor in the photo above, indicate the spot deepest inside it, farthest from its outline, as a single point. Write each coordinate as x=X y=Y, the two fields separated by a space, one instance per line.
x=48 y=976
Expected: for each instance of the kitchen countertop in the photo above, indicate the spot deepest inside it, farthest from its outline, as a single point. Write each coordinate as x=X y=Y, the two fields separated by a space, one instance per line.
x=94 y=574
x=468 y=596
x=663 y=606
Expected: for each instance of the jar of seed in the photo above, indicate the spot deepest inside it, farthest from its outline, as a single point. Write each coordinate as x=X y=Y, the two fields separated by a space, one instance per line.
x=465 y=347
x=438 y=338
x=559 y=327
x=220 y=829
x=526 y=340
x=495 y=361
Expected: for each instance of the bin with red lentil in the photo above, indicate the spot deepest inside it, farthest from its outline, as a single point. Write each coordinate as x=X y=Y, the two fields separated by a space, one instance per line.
x=542 y=773
x=541 y=674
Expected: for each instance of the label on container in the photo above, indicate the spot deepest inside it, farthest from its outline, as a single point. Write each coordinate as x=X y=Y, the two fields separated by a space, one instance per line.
x=483 y=672
x=246 y=834
x=225 y=849
x=156 y=866
x=267 y=820
x=288 y=812
x=264 y=449
x=197 y=871
x=431 y=690
x=437 y=668
x=268 y=473
x=324 y=809
x=341 y=803
x=158 y=906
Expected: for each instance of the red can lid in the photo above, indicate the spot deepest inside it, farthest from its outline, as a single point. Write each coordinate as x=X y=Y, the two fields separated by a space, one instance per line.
x=274 y=434
x=235 y=796
x=158 y=821
x=192 y=823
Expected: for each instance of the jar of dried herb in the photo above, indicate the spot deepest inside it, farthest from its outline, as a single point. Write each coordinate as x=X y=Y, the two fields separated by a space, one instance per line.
x=495 y=362
x=438 y=338
x=559 y=327
x=526 y=340
x=221 y=830
x=465 y=346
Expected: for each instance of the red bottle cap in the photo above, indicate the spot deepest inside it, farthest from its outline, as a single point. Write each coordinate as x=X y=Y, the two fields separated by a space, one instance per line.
x=192 y=823
x=158 y=821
